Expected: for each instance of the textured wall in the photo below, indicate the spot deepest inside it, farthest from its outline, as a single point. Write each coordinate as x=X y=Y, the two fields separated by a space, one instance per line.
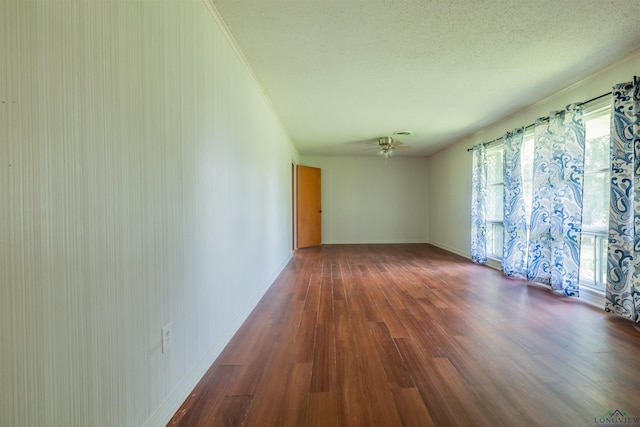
x=373 y=200
x=144 y=179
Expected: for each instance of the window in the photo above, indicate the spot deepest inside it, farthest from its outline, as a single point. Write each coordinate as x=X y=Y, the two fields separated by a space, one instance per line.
x=495 y=201
x=526 y=160
x=593 y=257
x=595 y=210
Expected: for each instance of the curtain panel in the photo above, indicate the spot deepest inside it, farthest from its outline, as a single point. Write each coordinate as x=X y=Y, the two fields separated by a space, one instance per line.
x=556 y=210
x=478 y=205
x=514 y=250
x=623 y=258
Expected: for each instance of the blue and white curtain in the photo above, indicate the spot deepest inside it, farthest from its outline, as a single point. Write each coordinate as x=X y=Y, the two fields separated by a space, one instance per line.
x=478 y=205
x=556 y=210
x=623 y=272
x=514 y=220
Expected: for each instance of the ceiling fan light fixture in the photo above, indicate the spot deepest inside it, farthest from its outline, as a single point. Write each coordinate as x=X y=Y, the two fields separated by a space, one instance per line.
x=387 y=146
x=386 y=152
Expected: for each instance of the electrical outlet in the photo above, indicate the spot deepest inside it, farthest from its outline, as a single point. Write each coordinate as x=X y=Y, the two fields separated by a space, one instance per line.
x=167 y=337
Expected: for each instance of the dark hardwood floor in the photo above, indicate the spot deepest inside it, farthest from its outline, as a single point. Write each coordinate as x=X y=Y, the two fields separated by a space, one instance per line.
x=411 y=335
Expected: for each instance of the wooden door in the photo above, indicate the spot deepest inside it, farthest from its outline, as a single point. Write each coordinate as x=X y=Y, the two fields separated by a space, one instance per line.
x=309 y=206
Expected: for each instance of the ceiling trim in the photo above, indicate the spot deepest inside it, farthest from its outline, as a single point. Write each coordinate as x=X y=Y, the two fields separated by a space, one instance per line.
x=245 y=64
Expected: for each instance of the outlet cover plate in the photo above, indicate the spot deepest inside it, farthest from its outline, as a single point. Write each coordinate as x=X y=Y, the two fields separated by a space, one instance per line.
x=167 y=336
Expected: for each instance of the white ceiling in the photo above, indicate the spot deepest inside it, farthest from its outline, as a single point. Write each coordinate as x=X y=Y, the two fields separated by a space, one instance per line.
x=342 y=72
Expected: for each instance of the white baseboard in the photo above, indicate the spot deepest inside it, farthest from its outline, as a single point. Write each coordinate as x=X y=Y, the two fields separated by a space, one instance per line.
x=172 y=403
x=450 y=249
x=494 y=263
x=164 y=413
x=373 y=242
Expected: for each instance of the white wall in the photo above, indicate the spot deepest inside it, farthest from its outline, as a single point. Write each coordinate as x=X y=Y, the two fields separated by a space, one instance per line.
x=370 y=200
x=450 y=169
x=144 y=180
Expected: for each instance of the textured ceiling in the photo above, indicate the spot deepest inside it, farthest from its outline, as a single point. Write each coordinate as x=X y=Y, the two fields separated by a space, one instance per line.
x=343 y=72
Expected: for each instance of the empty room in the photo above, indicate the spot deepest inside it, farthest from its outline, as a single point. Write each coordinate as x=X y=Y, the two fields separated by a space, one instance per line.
x=319 y=213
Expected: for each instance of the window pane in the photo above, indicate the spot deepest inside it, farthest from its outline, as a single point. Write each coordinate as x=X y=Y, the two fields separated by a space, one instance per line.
x=495 y=237
x=499 y=240
x=527 y=158
x=595 y=205
x=587 y=261
x=495 y=202
x=603 y=262
x=596 y=155
x=494 y=167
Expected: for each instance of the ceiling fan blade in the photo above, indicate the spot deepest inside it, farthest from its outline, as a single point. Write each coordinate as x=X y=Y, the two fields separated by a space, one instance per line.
x=386 y=143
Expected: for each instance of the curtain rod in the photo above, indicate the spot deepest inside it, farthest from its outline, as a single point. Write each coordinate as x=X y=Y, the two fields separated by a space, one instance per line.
x=543 y=118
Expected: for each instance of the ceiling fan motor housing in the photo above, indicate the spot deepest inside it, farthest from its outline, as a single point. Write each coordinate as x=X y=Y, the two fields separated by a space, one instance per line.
x=385 y=141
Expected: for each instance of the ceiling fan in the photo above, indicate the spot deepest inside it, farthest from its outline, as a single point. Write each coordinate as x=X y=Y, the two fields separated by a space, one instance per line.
x=387 y=146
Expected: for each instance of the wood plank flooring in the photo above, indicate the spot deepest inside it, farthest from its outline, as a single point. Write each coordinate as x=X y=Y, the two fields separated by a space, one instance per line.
x=411 y=335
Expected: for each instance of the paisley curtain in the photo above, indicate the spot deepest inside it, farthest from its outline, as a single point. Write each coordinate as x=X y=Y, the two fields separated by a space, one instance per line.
x=478 y=205
x=514 y=219
x=556 y=210
x=623 y=259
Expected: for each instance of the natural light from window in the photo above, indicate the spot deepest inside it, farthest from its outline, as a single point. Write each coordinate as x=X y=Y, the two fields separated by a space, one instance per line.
x=595 y=210
x=593 y=257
